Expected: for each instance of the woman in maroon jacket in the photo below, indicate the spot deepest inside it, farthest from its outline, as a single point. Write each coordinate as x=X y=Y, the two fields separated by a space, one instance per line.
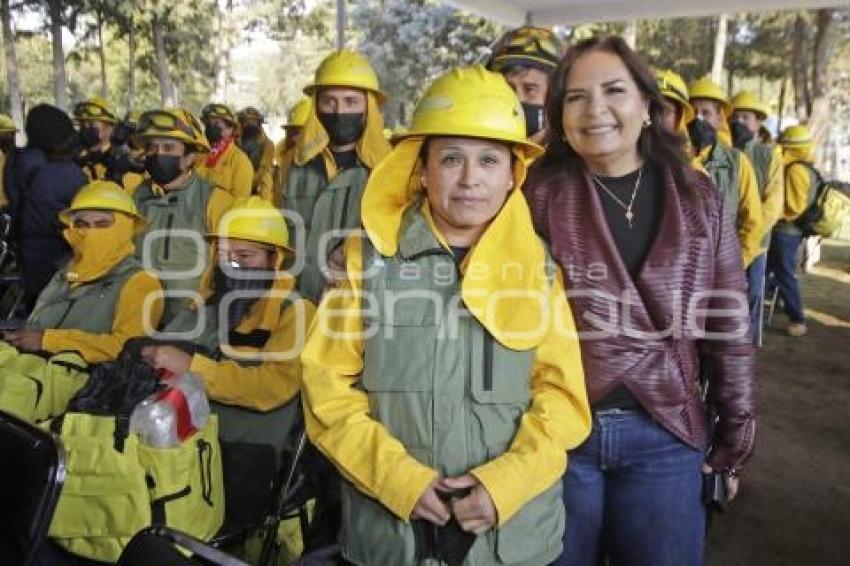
x=656 y=283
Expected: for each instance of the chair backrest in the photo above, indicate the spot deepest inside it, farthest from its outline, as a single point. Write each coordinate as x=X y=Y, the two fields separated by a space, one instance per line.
x=159 y=545
x=31 y=478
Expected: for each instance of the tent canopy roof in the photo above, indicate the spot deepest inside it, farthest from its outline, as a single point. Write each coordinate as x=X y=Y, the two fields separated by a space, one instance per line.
x=570 y=12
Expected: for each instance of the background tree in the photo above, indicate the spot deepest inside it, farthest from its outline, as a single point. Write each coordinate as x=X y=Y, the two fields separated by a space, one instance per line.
x=11 y=63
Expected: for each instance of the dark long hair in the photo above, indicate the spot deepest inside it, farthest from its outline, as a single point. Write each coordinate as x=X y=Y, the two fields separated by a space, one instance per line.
x=656 y=144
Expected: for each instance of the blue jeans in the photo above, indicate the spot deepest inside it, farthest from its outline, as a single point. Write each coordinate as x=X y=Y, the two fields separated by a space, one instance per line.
x=782 y=263
x=755 y=293
x=633 y=493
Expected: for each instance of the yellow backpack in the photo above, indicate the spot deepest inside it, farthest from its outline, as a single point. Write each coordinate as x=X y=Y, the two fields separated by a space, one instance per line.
x=35 y=388
x=116 y=485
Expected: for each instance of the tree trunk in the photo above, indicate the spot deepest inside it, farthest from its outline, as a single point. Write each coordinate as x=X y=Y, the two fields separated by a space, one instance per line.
x=780 y=110
x=819 y=120
x=224 y=32
x=11 y=60
x=104 y=87
x=719 y=49
x=802 y=102
x=60 y=79
x=630 y=34
x=166 y=87
x=131 y=60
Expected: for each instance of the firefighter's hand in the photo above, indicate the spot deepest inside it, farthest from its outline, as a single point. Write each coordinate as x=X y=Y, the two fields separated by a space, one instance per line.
x=169 y=358
x=476 y=512
x=732 y=482
x=430 y=507
x=25 y=340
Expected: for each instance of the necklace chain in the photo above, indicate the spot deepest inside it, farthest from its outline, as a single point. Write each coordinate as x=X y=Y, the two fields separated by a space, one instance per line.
x=630 y=216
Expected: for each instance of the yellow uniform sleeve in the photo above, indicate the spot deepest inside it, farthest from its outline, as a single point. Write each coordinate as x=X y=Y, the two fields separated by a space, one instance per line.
x=749 y=211
x=798 y=183
x=220 y=201
x=337 y=413
x=274 y=382
x=129 y=322
x=287 y=158
x=132 y=181
x=242 y=176
x=557 y=420
x=263 y=181
x=773 y=199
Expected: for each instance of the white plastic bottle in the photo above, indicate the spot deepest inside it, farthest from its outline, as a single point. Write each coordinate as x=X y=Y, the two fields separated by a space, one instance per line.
x=155 y=418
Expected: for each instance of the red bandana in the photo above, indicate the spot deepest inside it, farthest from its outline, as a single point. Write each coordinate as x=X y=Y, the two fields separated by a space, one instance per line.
x=217 y=151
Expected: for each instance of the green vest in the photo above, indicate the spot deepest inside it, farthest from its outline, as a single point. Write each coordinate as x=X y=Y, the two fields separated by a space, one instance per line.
x=171 y=254
x=760 y=155
x=324 y=207
x=450 y=393
x=724 y=166
x=239 y=424
x=90 y=307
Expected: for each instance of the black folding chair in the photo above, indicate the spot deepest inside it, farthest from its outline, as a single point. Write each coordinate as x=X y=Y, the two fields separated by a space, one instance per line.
x=31 y=479
x=272 y=495
x=161 y=545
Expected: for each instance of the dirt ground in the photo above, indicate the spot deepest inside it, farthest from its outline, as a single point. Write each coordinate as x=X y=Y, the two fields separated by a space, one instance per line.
x=794 y=508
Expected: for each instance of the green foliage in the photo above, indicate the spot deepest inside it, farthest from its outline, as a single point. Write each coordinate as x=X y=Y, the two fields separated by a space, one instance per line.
x=277 y=45
x=410 y=43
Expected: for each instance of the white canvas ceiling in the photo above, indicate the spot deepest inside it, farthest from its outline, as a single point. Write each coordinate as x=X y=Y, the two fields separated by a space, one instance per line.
x=568 y=12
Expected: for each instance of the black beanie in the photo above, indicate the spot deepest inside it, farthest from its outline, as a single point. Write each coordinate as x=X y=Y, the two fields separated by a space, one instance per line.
x=48 y=127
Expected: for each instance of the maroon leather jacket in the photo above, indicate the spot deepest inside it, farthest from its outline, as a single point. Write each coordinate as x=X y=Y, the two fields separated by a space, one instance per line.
x=686 y=309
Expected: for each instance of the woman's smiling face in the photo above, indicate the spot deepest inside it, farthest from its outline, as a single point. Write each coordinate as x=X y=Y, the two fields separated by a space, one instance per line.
x=604 y=113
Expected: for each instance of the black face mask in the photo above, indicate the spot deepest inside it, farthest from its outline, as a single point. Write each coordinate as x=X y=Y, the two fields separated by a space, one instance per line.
x=163 y=169
x=7 y=146
x=239 y=307
x=741 y=134
x=212 y=132
x=702 y=134
x=535 y=118
x=89 y=136
x=343 y=129
x=250 y=132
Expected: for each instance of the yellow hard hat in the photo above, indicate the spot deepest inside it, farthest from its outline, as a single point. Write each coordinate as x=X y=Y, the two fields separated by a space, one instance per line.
x=94 y=109
x=706 y=89
x=174 y=123
x=795 y=136
x=747 y=100
x=250 y=113
x=471 y=102
x=673 y=87
x=102 y=195
x=7 y=124
x=256 y=220
x=299 y=113
x=220 y=111
x=528 y=46
x=347 y=69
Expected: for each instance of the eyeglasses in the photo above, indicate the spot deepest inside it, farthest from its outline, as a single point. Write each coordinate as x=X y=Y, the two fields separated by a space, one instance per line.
x=158 y=120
